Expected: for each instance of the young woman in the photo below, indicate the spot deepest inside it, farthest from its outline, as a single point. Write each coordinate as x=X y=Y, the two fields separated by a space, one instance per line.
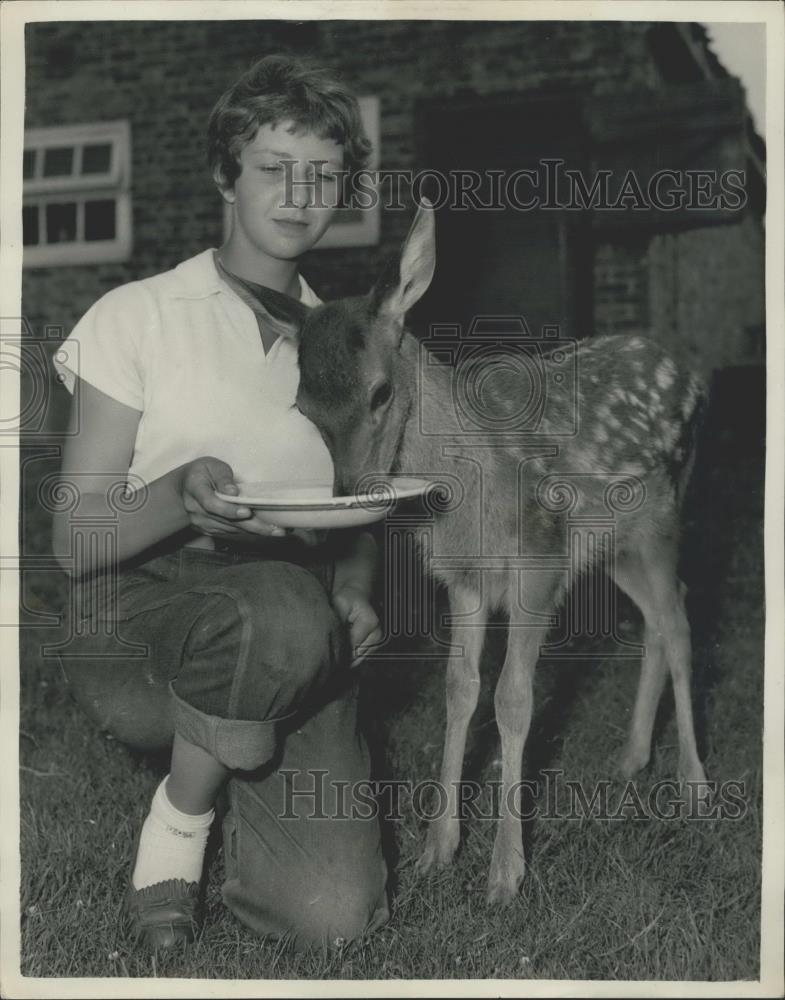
x=201 y=626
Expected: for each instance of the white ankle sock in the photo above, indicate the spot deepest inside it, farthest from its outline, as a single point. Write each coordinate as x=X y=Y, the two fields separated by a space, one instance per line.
x=172 y=843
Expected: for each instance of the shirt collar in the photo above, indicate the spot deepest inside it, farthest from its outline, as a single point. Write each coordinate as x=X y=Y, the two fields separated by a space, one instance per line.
x=197 y=277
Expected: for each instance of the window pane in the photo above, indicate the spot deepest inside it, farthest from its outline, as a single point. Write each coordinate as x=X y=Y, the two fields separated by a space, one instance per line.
x=61 y=223
x=28 y=164
x=30 y=225
x=96 y=159
x=99 y=221
x=58 y=161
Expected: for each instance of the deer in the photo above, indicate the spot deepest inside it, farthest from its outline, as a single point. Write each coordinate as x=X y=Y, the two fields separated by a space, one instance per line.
x=363 y=387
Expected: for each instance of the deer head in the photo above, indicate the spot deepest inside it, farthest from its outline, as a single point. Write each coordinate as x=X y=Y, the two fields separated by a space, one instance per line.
x=357 y=362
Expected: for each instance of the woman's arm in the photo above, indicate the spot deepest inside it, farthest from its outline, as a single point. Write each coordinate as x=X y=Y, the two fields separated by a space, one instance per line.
x=97 y=455
x=357 y=567
x=351 y=592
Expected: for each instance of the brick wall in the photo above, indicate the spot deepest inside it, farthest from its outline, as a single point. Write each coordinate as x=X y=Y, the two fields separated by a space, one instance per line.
x=620 y=287
x=700 y=292
x=165 y=76
x=707 y=295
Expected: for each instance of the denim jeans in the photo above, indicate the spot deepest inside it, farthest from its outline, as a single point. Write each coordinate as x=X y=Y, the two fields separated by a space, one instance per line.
x=245 y=657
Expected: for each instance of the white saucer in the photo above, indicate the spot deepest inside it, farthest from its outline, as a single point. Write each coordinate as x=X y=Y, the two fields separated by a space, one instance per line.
x=311 y=505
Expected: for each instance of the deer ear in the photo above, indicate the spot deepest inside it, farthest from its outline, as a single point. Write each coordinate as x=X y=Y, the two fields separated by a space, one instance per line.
x=417 y=264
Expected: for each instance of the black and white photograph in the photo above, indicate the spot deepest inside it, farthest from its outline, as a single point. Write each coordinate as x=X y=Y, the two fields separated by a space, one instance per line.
x=392 y=443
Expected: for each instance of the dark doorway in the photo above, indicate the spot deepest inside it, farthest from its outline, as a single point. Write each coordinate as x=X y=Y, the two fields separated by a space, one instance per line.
x=508 y=258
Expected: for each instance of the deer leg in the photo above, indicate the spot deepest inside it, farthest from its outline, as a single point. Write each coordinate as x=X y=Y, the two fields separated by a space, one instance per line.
x=631 y=578
x=463 y=689
x=678 y=646
x=660 y=595
x=513 y=701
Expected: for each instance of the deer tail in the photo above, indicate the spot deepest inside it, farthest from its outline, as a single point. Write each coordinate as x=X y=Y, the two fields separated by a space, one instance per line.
x=694 y=409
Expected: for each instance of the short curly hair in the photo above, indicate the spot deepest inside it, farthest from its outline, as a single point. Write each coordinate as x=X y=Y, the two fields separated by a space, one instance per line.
x=281 y=88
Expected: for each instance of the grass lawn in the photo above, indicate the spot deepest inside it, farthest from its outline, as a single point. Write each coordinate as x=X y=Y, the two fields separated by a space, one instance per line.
x=603 y=898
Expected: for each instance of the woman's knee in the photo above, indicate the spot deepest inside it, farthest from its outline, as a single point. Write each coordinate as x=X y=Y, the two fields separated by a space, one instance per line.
x=336 y=919
x=266 y=639
x=292 y=873
x=288 y=611
x=313 y=913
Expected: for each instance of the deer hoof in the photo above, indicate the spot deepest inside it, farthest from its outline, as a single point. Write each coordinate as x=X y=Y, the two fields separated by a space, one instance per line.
x=503 y=891
x=692 y=771
x=438 y=853
x=432 y=858
x=631 y=762
x=505 y=876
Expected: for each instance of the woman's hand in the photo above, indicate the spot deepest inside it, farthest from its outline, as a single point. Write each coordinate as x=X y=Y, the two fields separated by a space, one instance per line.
x=218 y=518
x=353 y=608
x=200 y=481
x=101 y=435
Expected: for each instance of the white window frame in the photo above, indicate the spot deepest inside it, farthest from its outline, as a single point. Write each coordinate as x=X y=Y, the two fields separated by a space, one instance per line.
x=114 y=183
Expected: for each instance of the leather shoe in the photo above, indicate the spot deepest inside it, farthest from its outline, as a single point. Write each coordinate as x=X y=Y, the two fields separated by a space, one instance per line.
x=164 y=913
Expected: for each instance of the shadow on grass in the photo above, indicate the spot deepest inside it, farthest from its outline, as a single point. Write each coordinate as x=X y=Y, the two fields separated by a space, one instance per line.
x=723 y=513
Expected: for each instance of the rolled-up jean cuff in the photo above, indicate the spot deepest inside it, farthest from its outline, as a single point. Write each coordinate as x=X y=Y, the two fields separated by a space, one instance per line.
x=239 y=744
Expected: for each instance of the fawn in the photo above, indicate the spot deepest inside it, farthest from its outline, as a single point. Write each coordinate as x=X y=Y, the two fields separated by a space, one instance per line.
x=361 y=384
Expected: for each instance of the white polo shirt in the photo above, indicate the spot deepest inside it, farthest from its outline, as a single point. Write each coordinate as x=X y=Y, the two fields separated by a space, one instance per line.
x=183 y=349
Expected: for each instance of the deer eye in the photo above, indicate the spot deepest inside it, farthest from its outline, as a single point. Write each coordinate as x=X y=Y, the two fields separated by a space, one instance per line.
x=381 y=395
